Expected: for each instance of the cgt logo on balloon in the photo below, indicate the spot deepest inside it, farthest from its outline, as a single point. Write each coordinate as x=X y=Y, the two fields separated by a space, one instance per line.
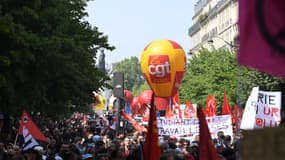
x=159 y=68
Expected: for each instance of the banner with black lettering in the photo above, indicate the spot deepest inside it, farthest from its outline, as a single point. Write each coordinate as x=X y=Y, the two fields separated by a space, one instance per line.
x=190 y=127
x=263 y=109
x=268 y=110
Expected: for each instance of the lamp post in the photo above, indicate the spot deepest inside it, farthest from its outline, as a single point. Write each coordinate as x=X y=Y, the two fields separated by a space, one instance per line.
x=233 y=46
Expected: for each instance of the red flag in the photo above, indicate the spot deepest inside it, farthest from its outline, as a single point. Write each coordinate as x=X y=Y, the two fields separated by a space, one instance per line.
x=176 y=105
x=206 y=146
x=136 y=125
x=27 y=123
x=261 y=35
x=168 y=113
x=151 y=146
x=226 y=107
x=211 y=106
x=235 y=114
x=189 y=111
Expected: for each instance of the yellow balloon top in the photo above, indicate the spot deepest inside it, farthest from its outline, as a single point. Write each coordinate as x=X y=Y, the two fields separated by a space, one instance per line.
x=163 y=65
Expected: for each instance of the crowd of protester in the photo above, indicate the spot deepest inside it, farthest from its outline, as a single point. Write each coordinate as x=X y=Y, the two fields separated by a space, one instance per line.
x=71 y=139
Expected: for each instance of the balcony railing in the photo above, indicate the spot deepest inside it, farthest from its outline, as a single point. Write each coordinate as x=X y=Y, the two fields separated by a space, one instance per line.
x=212 y=12
x=193 y=29
x=200 y=4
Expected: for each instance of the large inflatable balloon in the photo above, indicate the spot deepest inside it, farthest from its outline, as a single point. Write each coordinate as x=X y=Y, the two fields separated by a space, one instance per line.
x=144 y=100
x=111 y=102
x=145 y=97
x=100 y=103
x=129 y=96
x=161 y=102
x=135 y=105
x=163 y=65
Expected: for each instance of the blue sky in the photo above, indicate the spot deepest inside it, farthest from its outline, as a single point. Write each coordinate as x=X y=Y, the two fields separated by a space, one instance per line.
x=130 y=25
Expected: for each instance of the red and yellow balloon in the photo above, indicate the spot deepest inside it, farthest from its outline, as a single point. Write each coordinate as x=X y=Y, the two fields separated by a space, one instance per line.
x=100 y=103
x=163 y=65
x=145 y=97
x=161 y=103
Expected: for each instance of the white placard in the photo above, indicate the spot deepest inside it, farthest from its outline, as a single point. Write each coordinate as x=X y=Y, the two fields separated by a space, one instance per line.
x=190 y=127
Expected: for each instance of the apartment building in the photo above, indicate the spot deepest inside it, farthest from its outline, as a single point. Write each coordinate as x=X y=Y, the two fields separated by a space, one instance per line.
x=214 y=25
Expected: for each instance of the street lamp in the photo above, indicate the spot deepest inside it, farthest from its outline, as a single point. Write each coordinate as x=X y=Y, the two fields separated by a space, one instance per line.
x=232 y=45
x=193 y=51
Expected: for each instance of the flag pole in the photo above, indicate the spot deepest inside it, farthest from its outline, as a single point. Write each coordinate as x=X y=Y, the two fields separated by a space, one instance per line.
x=151 y=105
x=151 y=148
x=16 y=139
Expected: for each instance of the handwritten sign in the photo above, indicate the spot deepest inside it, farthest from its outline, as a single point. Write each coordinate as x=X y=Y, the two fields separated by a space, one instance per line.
x=262 y=110
x=268 y=109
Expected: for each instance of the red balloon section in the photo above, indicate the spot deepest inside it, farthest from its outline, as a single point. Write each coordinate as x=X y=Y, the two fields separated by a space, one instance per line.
x=134 y=105
x=139 y=104
x=145 y=97
x=161 y=102
x=129 y=96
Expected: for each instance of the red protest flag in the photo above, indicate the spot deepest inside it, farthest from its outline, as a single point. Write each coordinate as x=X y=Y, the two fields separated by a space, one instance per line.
x=136 y=125
x=189 y=111
x=151 y=148
x=176 y=105
x=226 y=107
x=168 y=113
x=235 y=114
x=206 y=147
x=211 y=106
x=27 y=123
x=261 y=35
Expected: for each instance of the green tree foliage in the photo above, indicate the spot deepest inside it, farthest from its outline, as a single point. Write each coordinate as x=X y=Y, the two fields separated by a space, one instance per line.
x=4 y=60
x=49 y=50
x=132 y=72
x=248 y=78
x=138 y=89
x=212 y=73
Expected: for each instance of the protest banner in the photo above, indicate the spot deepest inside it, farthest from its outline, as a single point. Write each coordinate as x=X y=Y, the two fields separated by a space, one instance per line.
x=268 y=111
x=262 y=110
x=248 y=118
x=190 y=127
